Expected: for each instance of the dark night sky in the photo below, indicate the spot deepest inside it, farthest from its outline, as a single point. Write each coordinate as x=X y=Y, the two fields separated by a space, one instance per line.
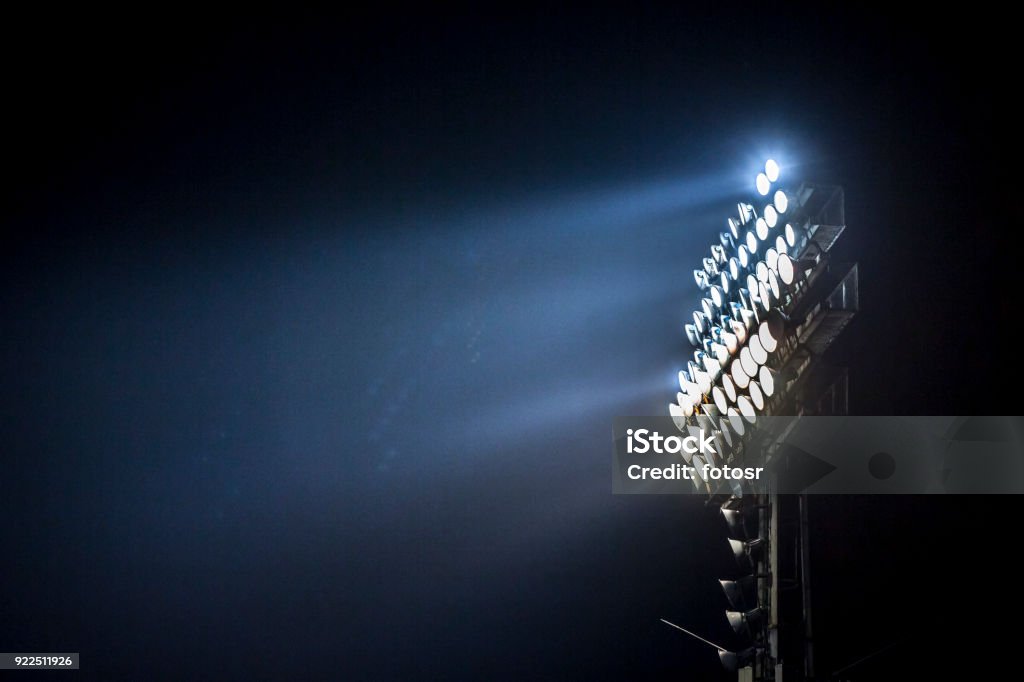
x=314 y=328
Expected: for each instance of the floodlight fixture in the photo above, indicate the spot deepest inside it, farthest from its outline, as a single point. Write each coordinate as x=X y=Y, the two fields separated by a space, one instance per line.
x=764 y=295
x=781 y=201
x=736 y=421
x=708 y=309
x=780 y=244
x=775 y=285
x=734 y=268
x=738 y=326
x=703 y=380
x=761 y=226
x=761 y=271
x=746 y=213
x=737 y=521
x=768 y=340
x=746 y=551
x=725 y=338
x=766 y=377
x=771 y=216
x=678 y=417
x=757 y=351
x=692 y=335
x=763 y=184
x=717 y=296
x=720 y=353
x=756 y=396
x=726 y=241
x=747 y=362
x=733 y=660
x=718 y=254
x=739 y=375
x=740 y=593
x=688 y=386
x=791 y=235
x=749 y=623
x=746 y=408
x=701 y=278
x=751 y=241
x=720 y=399
x=771 y=170
x=772 y=330
x=743 y=255
x=746 y=299
x=701 y=322
x=734 y=227
x=730 y=388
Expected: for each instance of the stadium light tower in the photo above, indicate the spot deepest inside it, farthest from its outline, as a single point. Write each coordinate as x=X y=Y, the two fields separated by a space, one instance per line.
x=773 y=302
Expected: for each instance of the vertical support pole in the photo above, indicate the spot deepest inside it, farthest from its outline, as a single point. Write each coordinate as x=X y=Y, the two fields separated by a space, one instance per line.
x=805 y=589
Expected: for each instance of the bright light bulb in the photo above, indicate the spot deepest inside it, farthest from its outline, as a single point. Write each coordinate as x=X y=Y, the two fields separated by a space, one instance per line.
x=771 y=216
x=781 y=201
x=761 y=228
x=763 y=184
x=771 y=170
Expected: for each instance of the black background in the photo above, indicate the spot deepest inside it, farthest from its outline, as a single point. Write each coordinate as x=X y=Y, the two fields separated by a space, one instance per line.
x=232 y=240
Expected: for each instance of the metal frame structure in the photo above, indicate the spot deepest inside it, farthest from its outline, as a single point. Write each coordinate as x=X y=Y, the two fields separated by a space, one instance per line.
x=802 y=302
